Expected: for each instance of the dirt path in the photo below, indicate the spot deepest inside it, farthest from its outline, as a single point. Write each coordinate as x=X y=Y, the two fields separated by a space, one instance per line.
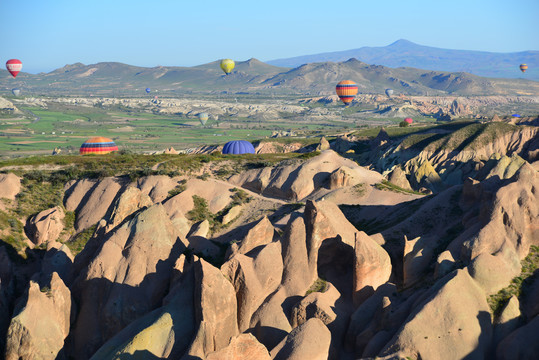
x=37 y=118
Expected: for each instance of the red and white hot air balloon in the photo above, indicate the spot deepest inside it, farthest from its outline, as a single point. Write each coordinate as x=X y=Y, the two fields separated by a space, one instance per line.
x=14 y=66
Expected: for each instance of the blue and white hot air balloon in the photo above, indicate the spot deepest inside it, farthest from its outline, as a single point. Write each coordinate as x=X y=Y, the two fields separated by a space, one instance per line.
x=238 y=147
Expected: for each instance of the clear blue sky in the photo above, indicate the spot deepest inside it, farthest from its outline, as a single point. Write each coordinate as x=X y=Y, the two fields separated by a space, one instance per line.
x=47 y=34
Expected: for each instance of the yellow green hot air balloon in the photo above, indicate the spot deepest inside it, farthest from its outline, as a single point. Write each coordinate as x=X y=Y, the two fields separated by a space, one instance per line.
x=227 y=65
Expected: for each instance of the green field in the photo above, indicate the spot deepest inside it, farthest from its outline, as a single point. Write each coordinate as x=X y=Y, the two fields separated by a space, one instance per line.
x=41 y=130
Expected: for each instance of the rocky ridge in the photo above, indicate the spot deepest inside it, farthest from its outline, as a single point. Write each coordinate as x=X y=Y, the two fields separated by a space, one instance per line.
x=406 y=276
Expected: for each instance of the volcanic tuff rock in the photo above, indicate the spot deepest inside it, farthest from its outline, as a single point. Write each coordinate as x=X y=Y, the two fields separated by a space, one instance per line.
x=242 y=347
x=494 y=272
x=270 y=322
x=329 y=306
x=361 y=321
x=164 y=332
x=45 y=226
x=297 y=180
x=464 y=330
x=398 y=177
x=157 y=186
x=521 y=344
x=58 y=259
x=261 y=233
x=462 y=150
x=91 y=200
x=139 y=297
x=310 y=340
x=7 y=289
x=232 y=214
x=127 y=277
x=343 y=176
x=324 y=144
x=372 y=267
x=275 y=147
x=10 y=185
x=41 y=322
x=217 y=194
x=129 y=201
x=215 y=312
x=255 y=275
x=510 y=224
x=508 y=321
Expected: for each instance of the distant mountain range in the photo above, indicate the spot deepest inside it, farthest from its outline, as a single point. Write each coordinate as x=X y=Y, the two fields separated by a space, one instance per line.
x=408 y=54
x=254 y=76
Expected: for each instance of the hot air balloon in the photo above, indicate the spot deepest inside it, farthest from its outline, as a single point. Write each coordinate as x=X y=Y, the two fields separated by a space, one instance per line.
x=347 y=90
x=148 y=90
x=515 y=115
x=98 y=145
x=523 y=67
x=16 y=91
x=203 y=117
x=409 y=120
x=14 y=66
x=389 y=92
x=237 y=147
x=227 y=65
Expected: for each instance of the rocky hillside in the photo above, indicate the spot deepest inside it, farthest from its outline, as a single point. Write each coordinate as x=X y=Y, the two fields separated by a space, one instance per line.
x=274 y=256
x=255 y=77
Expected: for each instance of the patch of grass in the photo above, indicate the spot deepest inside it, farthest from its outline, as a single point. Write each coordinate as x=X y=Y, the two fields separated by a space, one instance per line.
x=204 y=176
x=13 y=235
x=78 y=242
x=419 y=141
x=240 y=197
x=469 y=135
x=386 y=185
x=392 y=131
x=359 y=189
x=46 y=290
x=200 y=211
x=178 y=189
x=36 y=196
x=319 y=285
x=519 y=284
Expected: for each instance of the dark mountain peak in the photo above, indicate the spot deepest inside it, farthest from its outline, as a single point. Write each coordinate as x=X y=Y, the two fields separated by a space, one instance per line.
x=352 y=61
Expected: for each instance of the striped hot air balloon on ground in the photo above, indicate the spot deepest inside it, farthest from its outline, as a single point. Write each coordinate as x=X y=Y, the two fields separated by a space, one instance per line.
x=347 y=90
x=523 y=67
x=409 y=120
x=98 y=145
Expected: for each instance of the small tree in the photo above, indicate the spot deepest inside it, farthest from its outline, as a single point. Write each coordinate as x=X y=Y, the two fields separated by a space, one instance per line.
x=404 y=124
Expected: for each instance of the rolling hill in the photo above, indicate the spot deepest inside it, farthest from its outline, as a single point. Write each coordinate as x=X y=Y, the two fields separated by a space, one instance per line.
x=254 y=76
x=404 y=53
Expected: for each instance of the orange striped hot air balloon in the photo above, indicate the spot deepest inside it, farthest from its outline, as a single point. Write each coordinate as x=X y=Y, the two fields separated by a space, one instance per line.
x=347 y=90
x=523 y=67
x=98 y=145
